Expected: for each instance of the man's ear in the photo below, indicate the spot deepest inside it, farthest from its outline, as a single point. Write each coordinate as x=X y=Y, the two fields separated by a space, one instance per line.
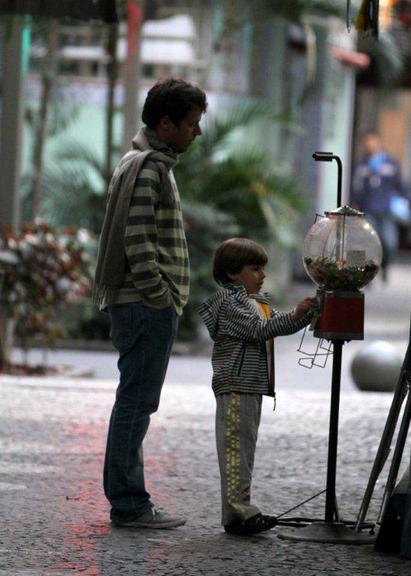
x=165 y=123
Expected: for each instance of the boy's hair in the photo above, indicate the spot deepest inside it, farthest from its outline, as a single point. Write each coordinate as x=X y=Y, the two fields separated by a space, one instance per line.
x=235 y=253
x=171 y=97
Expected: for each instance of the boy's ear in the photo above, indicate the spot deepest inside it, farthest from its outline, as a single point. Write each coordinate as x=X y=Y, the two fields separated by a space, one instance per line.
x=231 y=276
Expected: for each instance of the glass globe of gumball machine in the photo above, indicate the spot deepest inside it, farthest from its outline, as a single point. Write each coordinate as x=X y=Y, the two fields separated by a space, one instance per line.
x=341 y=253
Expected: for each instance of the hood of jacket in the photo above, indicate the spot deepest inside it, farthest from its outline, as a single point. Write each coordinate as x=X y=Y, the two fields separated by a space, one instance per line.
x=210 y=310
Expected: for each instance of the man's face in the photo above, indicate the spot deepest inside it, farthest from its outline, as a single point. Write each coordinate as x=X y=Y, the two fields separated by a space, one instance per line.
x=180 y=137
x=371 y=144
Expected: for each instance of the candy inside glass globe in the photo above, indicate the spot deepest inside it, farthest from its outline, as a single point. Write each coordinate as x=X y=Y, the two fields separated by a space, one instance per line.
x=342 y=251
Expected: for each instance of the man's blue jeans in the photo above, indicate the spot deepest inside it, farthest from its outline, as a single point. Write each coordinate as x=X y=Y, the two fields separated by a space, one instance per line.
x=143 y=337
x=388 y=232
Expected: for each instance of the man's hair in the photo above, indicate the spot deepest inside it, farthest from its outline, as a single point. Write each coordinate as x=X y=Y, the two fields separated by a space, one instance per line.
x=171 y=97
x=235 y=253
x=370 y=132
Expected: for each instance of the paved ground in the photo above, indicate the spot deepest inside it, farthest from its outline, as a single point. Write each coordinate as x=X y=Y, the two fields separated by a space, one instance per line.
x=52 y=436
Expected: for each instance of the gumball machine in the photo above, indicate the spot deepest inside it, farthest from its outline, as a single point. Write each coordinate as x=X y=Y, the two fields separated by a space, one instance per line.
x=342 y=253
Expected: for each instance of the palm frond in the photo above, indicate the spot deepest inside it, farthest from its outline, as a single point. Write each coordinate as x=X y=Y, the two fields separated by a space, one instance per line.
x=81 y=154
x=296 y=10
x=63 y=179
x=240 y=115
x=60 y=117
x=388 y=56
x=70 y=196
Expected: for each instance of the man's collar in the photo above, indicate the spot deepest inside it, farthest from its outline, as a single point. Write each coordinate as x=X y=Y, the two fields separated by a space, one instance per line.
x=156 y=143
x=147 y=139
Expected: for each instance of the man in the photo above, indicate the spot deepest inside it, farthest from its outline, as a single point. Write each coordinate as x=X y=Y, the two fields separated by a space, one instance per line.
x=376 y=181
x=142 y=279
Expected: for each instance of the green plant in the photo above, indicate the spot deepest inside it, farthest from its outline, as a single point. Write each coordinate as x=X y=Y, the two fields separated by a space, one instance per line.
x=231 y=190
x=74 y=188
x=52 y=271
x=241 y=181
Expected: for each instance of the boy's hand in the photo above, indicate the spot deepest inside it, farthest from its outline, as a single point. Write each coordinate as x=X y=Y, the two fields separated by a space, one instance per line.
x=303 y=307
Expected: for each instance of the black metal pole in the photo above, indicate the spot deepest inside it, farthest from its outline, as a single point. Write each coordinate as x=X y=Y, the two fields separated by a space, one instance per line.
x=329 y=157
x=330 y=531
x=339 y=185
x=330 y=500
x=400 y=393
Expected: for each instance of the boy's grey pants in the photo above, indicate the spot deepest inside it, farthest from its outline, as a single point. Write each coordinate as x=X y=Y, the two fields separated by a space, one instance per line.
x=237 y=420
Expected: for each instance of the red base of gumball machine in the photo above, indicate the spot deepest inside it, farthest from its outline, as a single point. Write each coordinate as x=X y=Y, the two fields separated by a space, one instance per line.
x=341 y=316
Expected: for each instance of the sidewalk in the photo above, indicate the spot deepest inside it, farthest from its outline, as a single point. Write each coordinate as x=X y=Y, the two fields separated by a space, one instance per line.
x=52 y=440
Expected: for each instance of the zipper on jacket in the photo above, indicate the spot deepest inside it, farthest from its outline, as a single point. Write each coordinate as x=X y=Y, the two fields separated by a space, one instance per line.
x=241 y=361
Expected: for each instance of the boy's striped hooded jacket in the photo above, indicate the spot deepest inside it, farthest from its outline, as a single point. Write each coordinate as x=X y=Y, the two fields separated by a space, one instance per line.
x=239 y=332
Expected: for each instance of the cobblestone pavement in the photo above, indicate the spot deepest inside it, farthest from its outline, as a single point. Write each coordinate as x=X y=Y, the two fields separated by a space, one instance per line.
x=52 y=440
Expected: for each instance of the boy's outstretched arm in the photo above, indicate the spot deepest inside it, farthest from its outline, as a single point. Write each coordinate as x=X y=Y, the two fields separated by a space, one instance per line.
x=243 y=323
x=303 y=307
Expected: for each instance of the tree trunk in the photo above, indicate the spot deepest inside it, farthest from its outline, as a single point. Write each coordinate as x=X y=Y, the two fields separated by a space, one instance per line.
x=112 y=74
x=7 y=325
x=11 y=136
x=132 y=72
x=47 y=81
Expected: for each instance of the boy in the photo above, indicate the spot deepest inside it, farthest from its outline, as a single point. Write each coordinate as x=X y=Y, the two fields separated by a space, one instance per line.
x=243 y=325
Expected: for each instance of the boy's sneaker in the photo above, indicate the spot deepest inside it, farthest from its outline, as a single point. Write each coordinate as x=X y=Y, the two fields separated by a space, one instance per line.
x=152 y=519
x=253 y=525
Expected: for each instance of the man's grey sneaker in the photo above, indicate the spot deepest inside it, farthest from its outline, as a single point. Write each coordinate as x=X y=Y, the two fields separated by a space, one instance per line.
x=152 y=519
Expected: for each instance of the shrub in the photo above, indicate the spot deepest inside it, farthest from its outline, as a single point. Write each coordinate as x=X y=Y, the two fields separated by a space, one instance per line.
x=52 y=270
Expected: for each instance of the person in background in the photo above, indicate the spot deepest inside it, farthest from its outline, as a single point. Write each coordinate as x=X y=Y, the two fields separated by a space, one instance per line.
x=376 y=188
x=243 y=324
x=142 y=280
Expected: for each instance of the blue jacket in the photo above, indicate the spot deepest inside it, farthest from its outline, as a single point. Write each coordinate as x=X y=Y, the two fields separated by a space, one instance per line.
x=376 y=179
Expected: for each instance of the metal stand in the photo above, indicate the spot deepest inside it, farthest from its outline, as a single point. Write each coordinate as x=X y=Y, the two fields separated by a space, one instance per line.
x=331 y=530
x=402 y=391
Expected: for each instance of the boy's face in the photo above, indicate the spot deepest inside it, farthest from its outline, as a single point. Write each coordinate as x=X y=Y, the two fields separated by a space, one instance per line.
x=251 y=277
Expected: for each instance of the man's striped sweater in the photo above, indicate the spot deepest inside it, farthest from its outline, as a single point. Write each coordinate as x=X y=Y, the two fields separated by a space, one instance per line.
x=157 y=263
